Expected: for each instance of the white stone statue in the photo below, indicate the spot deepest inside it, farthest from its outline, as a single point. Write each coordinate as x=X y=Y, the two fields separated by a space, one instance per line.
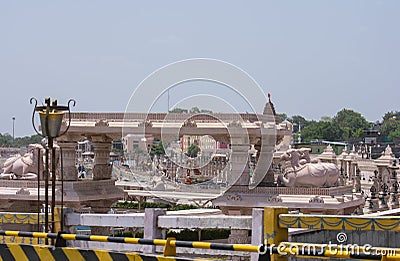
x=304 y=173
x=26 y=166
x=158 y=183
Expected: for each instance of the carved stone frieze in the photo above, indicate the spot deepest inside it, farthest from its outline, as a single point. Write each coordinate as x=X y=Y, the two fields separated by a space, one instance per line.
x=234 y=197
x=274 y=199
x=23 y=191
x=316 y=200
x=235 y=124
x=146 y=124
x=101 y=123
x=189 y=123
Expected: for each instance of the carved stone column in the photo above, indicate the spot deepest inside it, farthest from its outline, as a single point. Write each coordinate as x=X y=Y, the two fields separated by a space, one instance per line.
x=352 y=174
x=394 y=188
x=102 y=148
x=68 y=145
x=357 y=181
x=373 y=201
x=240 y=172
x=384 y=196
x=264 y=169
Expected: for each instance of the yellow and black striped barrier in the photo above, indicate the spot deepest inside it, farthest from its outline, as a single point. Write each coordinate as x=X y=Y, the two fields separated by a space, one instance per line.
x=13 y=252
x=169 y=244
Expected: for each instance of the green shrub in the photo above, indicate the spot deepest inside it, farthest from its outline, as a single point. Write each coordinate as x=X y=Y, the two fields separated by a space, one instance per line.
x=185 y=235
x=206 y=234
x=210 y=234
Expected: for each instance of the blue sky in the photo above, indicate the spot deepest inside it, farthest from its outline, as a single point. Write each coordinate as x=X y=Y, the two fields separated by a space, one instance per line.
x=314 y=57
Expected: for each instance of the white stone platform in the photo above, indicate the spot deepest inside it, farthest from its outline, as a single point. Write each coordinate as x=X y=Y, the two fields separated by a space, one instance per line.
x=98 y=194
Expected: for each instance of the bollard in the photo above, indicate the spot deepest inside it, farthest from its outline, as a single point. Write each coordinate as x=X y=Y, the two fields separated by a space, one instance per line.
x=151 y=230
x=169 y=249
x=57 y=219
x=257 y=231
x=273 y=234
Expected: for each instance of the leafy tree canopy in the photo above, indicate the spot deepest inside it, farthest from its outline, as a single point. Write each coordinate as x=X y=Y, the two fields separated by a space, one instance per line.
x=193 y=150
x=391 y=125
x=282 y=116
x=192 y=110
x=298 y=120
x=352 y=122
x=6 y=140
x=345 y=125
x=322 y=130
x=326 y=118
x=157 y=149
x=178 y=110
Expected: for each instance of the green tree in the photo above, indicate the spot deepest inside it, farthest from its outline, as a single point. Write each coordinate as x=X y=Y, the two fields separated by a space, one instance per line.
x=25 y=141
x=326 y=118
x=298 y=120
x=157 y=149
x=392 y=115
x=391 y=125
x=7 y=140
x=178 y=110
x=351 y=122
x=194 y=110
x=321 y=130
x=395 y=134
x=282 y=116
x=193 y=150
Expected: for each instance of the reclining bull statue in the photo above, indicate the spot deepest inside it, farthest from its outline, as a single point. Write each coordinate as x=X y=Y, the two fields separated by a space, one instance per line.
x=305 y=172
x=26 y=166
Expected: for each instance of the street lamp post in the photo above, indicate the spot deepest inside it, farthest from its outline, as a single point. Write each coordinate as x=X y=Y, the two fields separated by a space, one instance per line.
x=51 y=116
x=13 y=118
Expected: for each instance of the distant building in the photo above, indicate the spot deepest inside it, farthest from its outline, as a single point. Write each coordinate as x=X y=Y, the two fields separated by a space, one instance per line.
x=371 y=137
x=132 y=142
x=205 y=142
x=84 y=151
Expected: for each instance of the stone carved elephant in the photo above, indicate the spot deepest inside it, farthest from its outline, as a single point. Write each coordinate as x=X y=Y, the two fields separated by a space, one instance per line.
x=26 y=166
x=303 y=173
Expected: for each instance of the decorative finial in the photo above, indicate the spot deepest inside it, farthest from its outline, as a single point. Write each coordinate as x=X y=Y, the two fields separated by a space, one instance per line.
x=269 y=97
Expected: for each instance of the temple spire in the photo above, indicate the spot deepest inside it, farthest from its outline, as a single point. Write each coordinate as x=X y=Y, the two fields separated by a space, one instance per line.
x=269 y=109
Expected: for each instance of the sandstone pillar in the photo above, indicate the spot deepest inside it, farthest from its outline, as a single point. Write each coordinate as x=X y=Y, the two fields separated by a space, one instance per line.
x=240 y=172
x=357 y=181
x=265 y=146
x=352 y=175
x=102 y=148
x=68 y=145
